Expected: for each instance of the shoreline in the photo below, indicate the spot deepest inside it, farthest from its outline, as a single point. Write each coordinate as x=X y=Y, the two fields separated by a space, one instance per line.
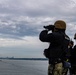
x=25 y=58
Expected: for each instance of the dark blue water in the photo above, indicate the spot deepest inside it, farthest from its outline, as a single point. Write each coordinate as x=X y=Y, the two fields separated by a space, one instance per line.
x=23 y=67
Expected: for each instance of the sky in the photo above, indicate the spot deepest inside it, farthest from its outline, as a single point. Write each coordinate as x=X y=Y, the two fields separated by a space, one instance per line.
x=21 y=22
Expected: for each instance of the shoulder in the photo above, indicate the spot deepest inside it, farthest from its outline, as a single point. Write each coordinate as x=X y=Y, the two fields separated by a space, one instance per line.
x=57 y=34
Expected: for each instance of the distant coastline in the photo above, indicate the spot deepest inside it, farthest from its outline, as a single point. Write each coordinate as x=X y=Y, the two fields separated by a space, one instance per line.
x=25 y=58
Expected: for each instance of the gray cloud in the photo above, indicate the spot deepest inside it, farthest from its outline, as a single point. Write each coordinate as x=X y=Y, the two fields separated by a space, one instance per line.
x=21 y=21
x=37 y=8
x=18 y=29
x=25 y=17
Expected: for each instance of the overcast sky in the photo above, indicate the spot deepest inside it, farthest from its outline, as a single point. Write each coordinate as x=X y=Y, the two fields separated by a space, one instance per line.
x=21 y=21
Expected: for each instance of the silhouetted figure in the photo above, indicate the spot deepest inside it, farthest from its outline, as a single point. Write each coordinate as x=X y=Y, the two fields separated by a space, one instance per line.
x=58 y=46
x=73 y=58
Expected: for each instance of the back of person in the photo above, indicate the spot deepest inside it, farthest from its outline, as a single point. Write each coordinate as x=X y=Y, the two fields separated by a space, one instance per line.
x=73 y=52
x=58 y=44
x=73 y=58
x=73 y=55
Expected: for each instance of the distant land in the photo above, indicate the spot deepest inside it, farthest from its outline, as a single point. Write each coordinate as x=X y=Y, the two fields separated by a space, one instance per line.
x=24 y=58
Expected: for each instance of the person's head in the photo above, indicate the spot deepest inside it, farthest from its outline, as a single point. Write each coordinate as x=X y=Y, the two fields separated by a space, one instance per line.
x=60 y=25
x=75 y=36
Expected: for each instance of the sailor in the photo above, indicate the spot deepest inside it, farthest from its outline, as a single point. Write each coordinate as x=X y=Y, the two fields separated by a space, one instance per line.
x=56 y=52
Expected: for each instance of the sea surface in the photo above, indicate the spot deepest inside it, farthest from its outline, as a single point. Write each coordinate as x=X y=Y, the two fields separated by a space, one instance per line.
x=23 y=67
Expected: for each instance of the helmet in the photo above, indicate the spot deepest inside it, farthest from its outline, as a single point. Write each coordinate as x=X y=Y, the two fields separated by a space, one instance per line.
x=59 y=24
x=75 y=36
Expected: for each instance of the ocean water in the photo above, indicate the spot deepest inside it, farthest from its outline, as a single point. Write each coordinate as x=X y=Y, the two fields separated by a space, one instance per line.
x=23 y=67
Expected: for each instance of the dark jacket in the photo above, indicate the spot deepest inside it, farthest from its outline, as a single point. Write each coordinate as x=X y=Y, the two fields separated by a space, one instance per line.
x=56 y=40
x=73 y=55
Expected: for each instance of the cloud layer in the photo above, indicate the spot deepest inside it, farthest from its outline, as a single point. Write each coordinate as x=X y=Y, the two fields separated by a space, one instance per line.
x=21 y=21
x=22 y=18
